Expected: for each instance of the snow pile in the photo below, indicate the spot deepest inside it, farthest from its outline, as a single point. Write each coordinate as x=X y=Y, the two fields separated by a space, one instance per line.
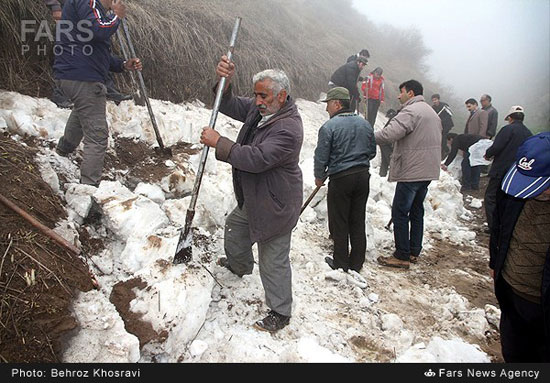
x=204 y=312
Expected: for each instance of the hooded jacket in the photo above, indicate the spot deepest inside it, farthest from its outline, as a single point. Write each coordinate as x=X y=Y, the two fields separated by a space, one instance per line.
x=346 y=76
x=266 y=172
x=416 y=135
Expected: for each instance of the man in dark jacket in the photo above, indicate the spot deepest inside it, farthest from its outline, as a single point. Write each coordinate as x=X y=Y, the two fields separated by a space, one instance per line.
x=81 y=71
x=362 y=52
x=470 y=174
x=503 y=153
x=56 y=7
x=267 y=181
x=345 y=147
x=444 y=112
x=346 y=76
x=520 y=254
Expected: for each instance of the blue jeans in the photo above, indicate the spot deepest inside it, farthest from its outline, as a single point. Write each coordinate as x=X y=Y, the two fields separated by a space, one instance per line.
x=408 y=207
x=470 y=174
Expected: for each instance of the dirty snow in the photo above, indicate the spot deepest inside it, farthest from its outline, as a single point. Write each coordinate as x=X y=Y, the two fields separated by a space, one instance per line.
x=334 y=313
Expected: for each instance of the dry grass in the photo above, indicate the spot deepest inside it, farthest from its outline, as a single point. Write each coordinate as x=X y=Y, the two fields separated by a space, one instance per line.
x=180 y=42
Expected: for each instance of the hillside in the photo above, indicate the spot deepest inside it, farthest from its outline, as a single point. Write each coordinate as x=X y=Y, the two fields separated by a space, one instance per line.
x=181 y=41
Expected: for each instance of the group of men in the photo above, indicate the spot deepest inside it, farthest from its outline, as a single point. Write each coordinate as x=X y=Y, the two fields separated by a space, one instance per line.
x=268 y=184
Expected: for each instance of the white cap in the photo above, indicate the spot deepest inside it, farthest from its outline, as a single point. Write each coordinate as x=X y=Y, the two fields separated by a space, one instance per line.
x=514 y=109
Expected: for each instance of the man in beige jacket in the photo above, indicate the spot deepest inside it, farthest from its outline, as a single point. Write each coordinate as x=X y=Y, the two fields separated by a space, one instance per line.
x=415 y=162
x=478 y=120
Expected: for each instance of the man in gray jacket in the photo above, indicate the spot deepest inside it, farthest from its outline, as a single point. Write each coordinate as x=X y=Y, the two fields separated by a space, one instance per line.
x=345 y=147
x=415 y=162
x=267 y=181
x=492 y=116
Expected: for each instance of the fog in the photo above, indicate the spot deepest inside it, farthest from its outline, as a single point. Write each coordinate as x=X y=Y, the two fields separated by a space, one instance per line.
x=499 y=47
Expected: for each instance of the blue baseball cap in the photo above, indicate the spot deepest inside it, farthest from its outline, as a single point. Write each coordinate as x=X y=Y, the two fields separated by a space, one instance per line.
x=530 y=174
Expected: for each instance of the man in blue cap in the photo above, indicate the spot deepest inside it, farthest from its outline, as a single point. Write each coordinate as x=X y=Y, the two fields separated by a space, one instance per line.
x=520 y=253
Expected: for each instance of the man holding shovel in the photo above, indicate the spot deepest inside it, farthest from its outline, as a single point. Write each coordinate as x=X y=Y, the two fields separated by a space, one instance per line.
x=267 y=181
x=81 y=70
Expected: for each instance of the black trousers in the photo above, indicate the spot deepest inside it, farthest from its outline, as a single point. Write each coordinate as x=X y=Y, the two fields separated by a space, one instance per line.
x=372 y=110
x=490 y=199
x=346 y=201
x=521 y=328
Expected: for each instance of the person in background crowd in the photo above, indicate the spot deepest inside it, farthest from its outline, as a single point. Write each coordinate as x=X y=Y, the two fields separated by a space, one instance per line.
x=493 y=115
x=503 y=153
x=346 y=76
x=477 y=120
x=373 y=90
x=470 y=174
x=520 y=254
x=444 y=112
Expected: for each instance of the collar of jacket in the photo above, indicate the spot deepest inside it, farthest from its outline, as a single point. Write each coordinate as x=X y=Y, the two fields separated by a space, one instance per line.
x=341 y=111
x=413 y=100
x=287 y=109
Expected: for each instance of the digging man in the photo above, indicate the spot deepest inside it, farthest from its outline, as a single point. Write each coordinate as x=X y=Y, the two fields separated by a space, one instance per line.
x=267 y=181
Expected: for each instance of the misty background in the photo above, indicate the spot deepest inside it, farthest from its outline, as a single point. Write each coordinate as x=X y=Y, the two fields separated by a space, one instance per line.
x=460 y=49
x=498 y=47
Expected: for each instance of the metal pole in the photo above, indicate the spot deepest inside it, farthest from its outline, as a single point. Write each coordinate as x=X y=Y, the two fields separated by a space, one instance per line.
x=183 y=250
x=142 y=85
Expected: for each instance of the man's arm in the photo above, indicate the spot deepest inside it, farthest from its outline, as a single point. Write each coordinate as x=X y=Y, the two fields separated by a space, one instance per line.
x=501 y=140
x=483 y=123
x=322 y=154
x=453 y=152
x=102 y=25
x=399 y=127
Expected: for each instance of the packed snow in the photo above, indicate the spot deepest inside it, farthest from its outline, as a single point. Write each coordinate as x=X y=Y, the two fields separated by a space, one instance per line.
x=205 y=312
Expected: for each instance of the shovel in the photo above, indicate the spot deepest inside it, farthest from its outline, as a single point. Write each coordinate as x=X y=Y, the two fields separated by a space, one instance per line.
x=310 y=198
x=185 y=242
x=49 y=232
x=162 y=149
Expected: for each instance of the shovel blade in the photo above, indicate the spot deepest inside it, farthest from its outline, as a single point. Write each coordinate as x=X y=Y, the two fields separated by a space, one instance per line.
x=184 y=251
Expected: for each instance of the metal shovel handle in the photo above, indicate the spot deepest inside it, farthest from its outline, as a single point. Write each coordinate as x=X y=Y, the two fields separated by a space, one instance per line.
x=142 y=85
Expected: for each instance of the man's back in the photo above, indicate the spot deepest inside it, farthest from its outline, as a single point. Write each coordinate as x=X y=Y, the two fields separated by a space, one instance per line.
x=506 y=144
x=416 y=132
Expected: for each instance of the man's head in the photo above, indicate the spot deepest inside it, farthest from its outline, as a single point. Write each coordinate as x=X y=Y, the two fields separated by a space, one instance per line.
x=529 y=176
x=364 y=53
x=409 y=89
x=516 y=113
x=436 y=99
x=362 y=61
x=471 y=105
x=451 y=137
x=338 y=98
x=271 y=89
x=377 y=72
x=485 y=100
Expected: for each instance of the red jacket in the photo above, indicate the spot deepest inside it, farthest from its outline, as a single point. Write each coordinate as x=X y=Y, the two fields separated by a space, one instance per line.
x=373 y=88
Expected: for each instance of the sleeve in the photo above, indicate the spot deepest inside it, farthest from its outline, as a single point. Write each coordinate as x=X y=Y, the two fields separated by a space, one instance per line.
x=371 y=144
x=453 y=152
x=382 y=91
x=483 y=123
x=115 y=64
x=235 y=107
x=102 y=26
x=399 y=127
x=322 y=153
x=53 y=5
